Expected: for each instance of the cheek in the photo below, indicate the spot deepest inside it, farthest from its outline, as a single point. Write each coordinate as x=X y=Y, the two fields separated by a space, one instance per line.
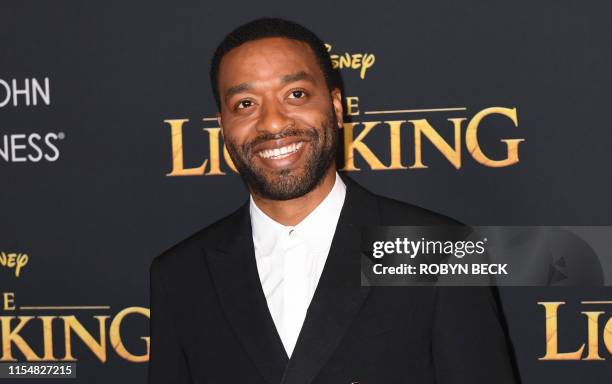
x=237 y=133
x=311 y=117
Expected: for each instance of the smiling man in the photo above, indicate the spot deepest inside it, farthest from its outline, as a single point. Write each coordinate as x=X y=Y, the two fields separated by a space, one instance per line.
x=272 y=293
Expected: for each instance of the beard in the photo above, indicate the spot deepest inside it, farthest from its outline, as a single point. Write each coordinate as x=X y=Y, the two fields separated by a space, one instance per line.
x=289 y=183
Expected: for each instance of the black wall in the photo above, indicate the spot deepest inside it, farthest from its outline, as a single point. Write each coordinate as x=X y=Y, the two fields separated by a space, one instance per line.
x=91 y=220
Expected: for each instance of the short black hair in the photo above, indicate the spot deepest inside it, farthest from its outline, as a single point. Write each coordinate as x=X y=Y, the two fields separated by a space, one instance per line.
x=271 y=27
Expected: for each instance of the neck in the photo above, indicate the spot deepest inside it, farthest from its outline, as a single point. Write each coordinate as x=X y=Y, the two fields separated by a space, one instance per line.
x=292 y=212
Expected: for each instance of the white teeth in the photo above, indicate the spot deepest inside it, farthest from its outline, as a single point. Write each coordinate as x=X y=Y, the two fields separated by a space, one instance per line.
x=279 y=153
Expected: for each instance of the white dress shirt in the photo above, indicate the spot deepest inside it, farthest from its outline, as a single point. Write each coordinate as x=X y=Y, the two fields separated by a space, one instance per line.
x=290 y=260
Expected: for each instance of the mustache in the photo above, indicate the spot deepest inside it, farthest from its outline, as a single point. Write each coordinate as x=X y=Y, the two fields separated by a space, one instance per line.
x=310 y=133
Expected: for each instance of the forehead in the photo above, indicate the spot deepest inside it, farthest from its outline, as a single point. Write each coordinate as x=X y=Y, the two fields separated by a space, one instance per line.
x=267 y=59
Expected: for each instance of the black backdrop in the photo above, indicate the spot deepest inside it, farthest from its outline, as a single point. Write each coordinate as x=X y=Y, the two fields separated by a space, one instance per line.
x=94 y=212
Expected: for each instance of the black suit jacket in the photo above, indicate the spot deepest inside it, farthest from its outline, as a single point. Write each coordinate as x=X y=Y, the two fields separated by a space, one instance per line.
x=210 y=322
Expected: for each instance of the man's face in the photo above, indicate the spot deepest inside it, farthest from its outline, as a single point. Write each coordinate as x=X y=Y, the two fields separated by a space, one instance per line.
x=279 y=119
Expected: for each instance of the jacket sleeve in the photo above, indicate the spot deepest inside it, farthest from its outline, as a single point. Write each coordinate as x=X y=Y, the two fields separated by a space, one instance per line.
x=167 y=362
x=469 y=343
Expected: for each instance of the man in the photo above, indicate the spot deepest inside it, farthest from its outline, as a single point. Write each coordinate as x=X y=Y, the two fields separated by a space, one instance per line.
x=272 y=293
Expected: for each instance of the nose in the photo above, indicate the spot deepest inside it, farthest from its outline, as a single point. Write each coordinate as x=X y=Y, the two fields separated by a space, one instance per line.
x=273 y=118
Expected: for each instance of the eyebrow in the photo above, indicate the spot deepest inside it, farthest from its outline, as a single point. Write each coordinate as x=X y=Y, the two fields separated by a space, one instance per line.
x=301 y=75
x=285 y=79
x=231 y=91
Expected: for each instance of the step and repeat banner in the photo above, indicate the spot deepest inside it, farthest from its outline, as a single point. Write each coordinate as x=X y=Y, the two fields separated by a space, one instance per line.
x=493 y=113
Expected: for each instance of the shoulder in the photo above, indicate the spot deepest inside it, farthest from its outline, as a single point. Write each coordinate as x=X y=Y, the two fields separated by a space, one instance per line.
x=391 y=211
x=186 y=253
x=395 y=212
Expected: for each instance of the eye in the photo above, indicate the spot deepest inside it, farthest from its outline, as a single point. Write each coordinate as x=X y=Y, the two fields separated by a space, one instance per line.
x=242 y=104
x=297 y=94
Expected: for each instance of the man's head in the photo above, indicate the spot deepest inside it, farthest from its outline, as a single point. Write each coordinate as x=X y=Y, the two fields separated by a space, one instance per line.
x=279 y=106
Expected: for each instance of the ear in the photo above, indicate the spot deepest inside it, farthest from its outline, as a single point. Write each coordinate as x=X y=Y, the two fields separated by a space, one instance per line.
x=336 y=96
x=219 y=121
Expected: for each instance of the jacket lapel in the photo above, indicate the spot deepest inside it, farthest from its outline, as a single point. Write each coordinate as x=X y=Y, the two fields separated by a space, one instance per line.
x=339 y=294
x=234 y=271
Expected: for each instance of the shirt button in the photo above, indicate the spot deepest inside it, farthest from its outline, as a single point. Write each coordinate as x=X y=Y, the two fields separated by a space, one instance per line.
x=292 y=233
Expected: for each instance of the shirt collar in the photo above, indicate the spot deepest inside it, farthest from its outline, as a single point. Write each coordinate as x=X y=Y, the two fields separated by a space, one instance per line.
x=317 y=229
